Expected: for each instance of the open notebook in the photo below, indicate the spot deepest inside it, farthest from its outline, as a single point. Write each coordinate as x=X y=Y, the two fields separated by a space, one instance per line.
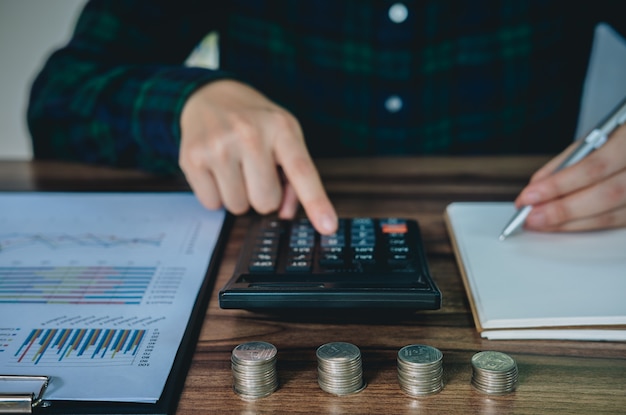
x=539 y=285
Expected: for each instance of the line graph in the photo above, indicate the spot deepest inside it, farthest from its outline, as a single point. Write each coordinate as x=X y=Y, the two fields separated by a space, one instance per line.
x=15 y=240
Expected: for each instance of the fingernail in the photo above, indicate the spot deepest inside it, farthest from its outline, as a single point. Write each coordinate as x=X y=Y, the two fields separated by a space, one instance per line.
x=328 y=223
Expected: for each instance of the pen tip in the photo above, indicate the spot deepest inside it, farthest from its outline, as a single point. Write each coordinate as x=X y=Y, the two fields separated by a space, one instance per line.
x=502 y=237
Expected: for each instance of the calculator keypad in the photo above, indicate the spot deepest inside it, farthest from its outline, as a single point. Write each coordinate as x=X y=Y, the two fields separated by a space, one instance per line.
x=359 y=245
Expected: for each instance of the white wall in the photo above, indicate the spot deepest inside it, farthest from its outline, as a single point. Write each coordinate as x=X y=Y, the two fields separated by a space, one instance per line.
x=29 y=31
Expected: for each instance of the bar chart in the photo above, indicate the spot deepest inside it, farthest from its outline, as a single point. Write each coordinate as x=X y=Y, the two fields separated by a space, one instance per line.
x=70 y=346
x=75 y=284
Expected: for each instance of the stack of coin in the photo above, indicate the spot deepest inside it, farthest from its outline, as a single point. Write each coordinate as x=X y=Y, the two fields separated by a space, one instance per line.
x=494 y=373
x=420 y=370
x=254 y=369
x=339 y=368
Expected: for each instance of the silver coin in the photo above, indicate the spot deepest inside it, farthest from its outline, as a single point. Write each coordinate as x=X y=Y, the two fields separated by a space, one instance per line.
x=339 y=368
x=255 y=351
x=419 y=354
x=418 y=377
x=343 y=391
x=494 y=391
x=420 y=370
x=494 y=373
x=420 y=391
x=253 y=367
x=338 y=351
x=493 y=361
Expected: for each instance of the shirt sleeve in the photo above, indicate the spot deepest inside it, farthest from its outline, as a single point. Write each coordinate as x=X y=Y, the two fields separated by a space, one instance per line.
x=113 y=95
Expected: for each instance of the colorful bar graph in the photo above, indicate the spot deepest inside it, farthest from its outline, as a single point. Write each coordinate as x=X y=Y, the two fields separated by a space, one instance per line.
x=75 y=285
x=80 y=346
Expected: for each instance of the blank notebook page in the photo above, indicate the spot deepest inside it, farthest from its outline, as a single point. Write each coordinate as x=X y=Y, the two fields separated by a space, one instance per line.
x=538 y=279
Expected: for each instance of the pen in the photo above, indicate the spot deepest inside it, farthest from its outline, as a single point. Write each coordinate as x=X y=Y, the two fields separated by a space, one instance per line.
x=594 y=140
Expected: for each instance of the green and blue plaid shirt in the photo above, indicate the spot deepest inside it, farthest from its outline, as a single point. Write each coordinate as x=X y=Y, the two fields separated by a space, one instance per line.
x=431 y=77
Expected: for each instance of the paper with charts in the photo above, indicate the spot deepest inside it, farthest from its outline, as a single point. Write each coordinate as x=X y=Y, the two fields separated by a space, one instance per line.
x=96 y=288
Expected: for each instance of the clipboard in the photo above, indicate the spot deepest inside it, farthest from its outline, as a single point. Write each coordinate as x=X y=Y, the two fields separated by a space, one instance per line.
x=23 y=398
x=22 y=401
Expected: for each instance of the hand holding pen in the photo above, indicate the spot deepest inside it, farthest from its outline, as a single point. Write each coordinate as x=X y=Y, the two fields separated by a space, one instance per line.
x=583 y=188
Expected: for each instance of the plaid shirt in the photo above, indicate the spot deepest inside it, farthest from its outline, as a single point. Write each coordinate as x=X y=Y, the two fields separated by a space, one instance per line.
x=363 y=78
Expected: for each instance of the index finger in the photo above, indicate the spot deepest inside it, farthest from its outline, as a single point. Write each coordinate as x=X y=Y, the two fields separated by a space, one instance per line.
x=299 y=169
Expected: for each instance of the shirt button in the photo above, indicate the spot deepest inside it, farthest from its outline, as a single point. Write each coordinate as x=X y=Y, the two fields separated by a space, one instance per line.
x=398 y=13
x=393 y=103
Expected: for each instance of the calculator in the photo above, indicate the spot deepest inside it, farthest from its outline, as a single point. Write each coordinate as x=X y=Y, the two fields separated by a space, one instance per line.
x=369 y=263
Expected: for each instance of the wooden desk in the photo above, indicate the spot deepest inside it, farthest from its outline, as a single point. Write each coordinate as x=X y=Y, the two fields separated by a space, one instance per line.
x=555 y=376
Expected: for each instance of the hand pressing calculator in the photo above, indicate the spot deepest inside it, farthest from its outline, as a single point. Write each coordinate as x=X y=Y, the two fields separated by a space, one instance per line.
x=368 y=263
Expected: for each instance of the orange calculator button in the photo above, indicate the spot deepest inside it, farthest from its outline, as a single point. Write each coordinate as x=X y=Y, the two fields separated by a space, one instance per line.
x=394 y=228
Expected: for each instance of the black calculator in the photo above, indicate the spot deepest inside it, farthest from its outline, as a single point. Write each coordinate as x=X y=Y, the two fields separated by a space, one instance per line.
x=369 y=263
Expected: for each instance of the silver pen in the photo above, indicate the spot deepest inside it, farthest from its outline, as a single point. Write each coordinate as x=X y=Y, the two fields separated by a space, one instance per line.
x=594 y=140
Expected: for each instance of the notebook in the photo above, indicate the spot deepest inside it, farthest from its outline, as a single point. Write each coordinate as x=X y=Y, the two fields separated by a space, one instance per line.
x=539 y=285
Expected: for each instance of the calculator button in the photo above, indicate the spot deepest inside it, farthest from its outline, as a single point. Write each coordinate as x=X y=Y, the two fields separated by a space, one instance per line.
x=393 y=226
x=399 y=259
x=395 y=236
x=332 y=240
x=362 y=221
x=269 y=242
x=266 y=248
x=331 y=257
x=364 y=242
x=399 y=249
x=301 y=234
x=358 y=234
x=298 y=266
x=270 y=224
x=262 y=266
x=364 y=259
x=397 y=242
x=269 y=233
x=263 y=256
x=299 y=257
x=301 y=249
x=301 y=242
x=332 y=250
